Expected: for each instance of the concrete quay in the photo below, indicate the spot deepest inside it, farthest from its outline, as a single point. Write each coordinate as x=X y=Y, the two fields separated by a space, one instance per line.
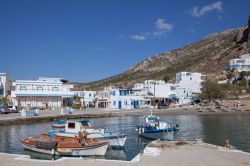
x=199 y=154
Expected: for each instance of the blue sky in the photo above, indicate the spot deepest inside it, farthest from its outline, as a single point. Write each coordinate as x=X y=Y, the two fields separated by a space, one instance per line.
x=87 y=40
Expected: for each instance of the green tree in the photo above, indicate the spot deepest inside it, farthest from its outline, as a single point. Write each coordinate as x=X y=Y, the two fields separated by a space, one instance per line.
x=243 y=74
x=4 y=101
x=166 y=78
x=211 y=91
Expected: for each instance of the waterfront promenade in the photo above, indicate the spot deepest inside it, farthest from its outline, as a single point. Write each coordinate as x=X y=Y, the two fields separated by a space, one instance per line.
x=51 y=115
x=199 y=154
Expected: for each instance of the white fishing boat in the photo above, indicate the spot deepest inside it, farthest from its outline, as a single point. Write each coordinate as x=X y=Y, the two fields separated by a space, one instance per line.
x=72 y=127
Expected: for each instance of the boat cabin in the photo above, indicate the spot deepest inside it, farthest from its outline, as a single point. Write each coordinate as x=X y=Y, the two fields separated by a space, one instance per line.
x=151 y=119
x=74 y=126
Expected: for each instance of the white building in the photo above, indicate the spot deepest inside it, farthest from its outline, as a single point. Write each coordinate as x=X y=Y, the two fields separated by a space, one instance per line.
x=126 y=99
x=159 y=89
x=87 y=97
x=184 y=95
x=188 y=85
x=4 y=85
x=104 y=98
x=190 y=81
x=240 y=64
x=156 y=91
x=44 y=92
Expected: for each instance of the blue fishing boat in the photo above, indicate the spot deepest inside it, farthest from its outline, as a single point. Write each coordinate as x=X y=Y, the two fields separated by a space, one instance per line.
x=153 y=128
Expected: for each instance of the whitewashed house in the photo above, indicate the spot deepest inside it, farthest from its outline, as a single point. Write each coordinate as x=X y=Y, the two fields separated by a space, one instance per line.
x=4 y=85
x=44 y=93
x=156 y=91
x=126 y=99
x=87 y=97
x=104 y=98
x=188 y=85
x=240 y=64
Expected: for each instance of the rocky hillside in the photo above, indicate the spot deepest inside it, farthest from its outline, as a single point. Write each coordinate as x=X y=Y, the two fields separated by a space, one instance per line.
x=209 y=56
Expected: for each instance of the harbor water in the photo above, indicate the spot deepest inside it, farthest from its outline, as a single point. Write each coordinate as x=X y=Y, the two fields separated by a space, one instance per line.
x=212 y=129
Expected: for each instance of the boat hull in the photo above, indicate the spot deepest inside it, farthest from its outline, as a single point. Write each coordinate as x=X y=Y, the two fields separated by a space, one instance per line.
x=162 y=134
x=97 y=150
x=114 y=141
x=33 y=148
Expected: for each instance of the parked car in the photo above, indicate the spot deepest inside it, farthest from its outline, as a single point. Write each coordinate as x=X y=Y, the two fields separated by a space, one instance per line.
x=4 y=110
x=13 y=108
x=162 y=106
x=194 y=102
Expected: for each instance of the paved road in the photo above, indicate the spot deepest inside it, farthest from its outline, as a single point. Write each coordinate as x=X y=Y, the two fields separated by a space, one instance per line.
x=46 y=113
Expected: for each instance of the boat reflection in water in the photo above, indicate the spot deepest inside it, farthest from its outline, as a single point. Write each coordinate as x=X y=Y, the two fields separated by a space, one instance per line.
x=40 y=156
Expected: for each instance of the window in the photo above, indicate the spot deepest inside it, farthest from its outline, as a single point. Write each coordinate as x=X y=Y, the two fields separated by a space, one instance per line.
x=23 y=88
x=71 y=125
x=89 y=95
x=39 y=88
x=126 y=103
x=113 y=93
x=114 y=103
x=54 y=88
x=172 y=88
x=190 y=78
x=1 y=91
x=188 y=74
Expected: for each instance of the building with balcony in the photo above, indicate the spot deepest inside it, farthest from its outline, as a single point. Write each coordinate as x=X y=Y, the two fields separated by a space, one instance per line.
x=188 y=85
x=43 y=93
x=87 y=98
x=190 y=81
x=126 y=99
x=240 y=64
x=104 y=98
x=156 y=91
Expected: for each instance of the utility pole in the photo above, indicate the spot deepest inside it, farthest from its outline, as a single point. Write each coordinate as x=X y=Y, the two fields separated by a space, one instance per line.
x=154 y=94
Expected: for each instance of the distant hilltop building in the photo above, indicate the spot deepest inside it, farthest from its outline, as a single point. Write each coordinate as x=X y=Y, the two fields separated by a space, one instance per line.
x=43 y=93
x=240 y=64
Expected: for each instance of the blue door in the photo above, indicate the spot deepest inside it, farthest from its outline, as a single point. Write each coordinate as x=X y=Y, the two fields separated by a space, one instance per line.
x=120 y=104
x=136 y=104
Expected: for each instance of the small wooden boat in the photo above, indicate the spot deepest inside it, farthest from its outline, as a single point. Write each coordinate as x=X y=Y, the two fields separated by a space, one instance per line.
x=66 y=146
x=72 y=127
